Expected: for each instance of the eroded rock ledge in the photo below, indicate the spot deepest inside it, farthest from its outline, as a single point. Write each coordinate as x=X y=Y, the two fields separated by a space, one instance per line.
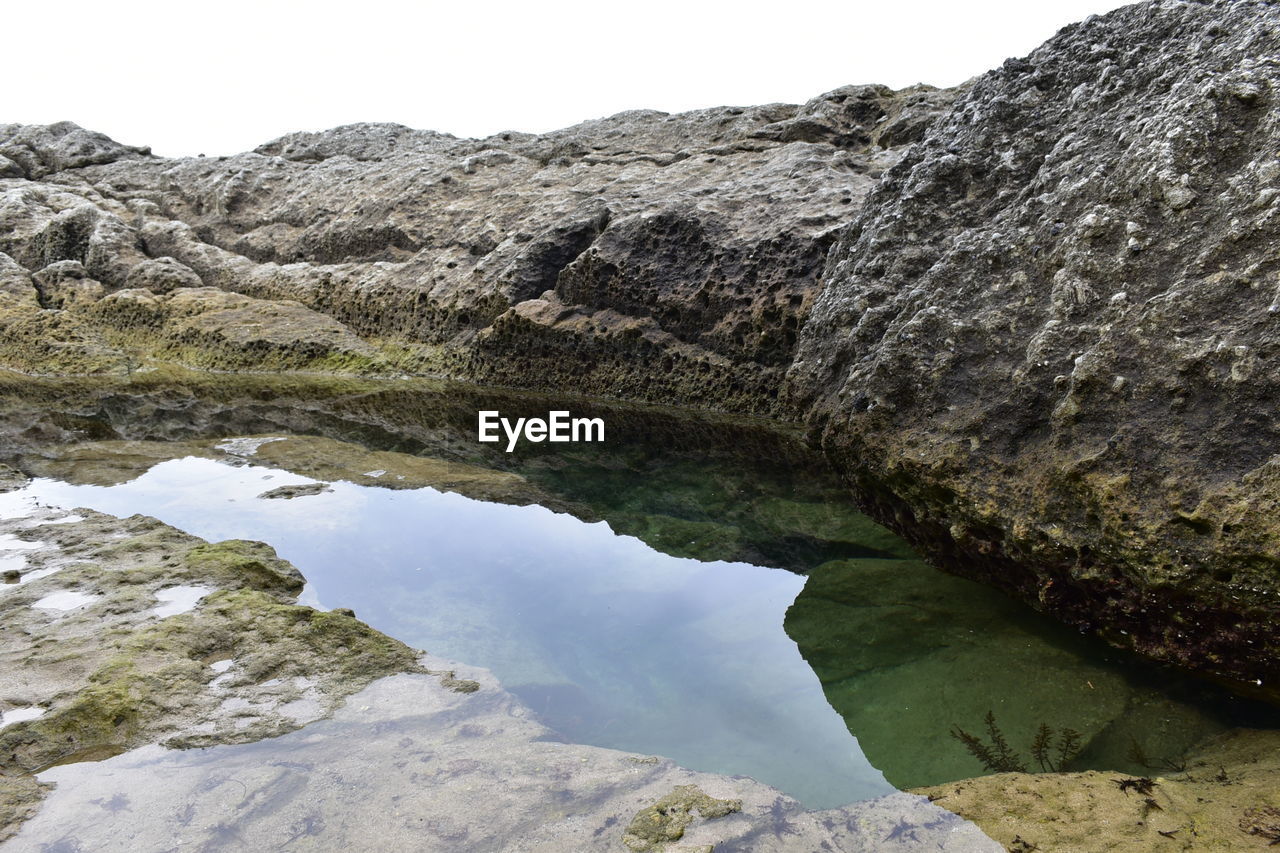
x=646 y=256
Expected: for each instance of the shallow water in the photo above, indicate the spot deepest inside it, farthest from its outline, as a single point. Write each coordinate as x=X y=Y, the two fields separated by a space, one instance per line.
x=611 y=642
x=635 y=595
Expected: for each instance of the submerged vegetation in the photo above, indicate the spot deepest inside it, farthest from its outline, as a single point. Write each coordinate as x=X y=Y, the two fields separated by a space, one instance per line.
x=1052 y=751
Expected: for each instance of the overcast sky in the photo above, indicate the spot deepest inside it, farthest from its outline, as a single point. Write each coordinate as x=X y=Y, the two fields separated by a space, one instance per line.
x=226 y=76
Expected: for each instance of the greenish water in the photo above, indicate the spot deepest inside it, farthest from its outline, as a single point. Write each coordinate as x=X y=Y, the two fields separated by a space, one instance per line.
x=704 y=591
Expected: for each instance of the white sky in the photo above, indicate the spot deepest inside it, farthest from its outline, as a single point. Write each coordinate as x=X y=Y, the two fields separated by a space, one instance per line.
x=226 y=76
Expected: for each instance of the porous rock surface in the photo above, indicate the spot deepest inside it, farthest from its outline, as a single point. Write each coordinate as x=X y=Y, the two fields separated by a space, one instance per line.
x=647 y=256
x=1046 y=351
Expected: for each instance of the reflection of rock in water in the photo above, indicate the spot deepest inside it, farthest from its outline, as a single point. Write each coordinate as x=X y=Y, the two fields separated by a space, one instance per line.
x=906 y=653
x=410 y=765
x=690 y=486
x=291 y=492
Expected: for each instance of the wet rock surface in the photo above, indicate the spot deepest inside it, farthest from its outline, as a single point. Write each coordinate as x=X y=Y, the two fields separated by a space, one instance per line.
x=121 y=632
x=443 y=770
x=1046 y=351
x=1221 y=799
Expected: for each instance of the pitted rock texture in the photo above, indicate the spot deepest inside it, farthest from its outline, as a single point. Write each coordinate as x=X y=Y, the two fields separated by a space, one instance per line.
x=647 y=256
x=1047 y=349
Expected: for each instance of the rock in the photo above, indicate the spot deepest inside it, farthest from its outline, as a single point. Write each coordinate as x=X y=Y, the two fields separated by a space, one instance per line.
x=209 y=327
x=18 y=294
x=1046 y=352
x=290 y=492
x=41 y=150
x=667 y=819
x=669 y=258
x=1221 y=800
x=66 y=284
x=114 y=673
x=161 y=275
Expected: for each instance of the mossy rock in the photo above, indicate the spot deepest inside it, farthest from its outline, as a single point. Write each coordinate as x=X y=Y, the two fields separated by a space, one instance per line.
x=241 y=563
x=667 y=819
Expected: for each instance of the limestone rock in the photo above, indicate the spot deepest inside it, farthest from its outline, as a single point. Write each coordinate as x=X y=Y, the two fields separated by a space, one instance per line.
x=34 y=151
x=161 y=275
x=1047 y=350
x=650 y=256
x=17 y=291
x=66 y=284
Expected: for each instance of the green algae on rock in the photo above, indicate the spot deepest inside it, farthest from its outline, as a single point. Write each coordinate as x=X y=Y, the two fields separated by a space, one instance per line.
x=92 y=648
x=665 y=821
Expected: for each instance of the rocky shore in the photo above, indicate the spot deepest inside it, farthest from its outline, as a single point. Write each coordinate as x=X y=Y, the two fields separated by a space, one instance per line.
x=1040 y=347
x=669 y=258
x=1031 y=319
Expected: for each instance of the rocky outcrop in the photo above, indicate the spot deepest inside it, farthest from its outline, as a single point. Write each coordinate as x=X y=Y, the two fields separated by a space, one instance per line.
x=1046 y=351
x=648 y=256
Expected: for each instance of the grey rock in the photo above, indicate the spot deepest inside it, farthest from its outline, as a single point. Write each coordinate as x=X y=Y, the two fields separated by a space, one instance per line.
x=66 y=284
x=40 y=150
x=644 y=255
x=297 y=491
x=161 y=275
x=1046 y=351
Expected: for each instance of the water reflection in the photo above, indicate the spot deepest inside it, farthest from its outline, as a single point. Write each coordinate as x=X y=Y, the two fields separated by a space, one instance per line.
x=614 y=642
x=611 y=642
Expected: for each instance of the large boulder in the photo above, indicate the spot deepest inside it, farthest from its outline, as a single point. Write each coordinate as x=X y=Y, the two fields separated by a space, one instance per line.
x=1046 y=351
